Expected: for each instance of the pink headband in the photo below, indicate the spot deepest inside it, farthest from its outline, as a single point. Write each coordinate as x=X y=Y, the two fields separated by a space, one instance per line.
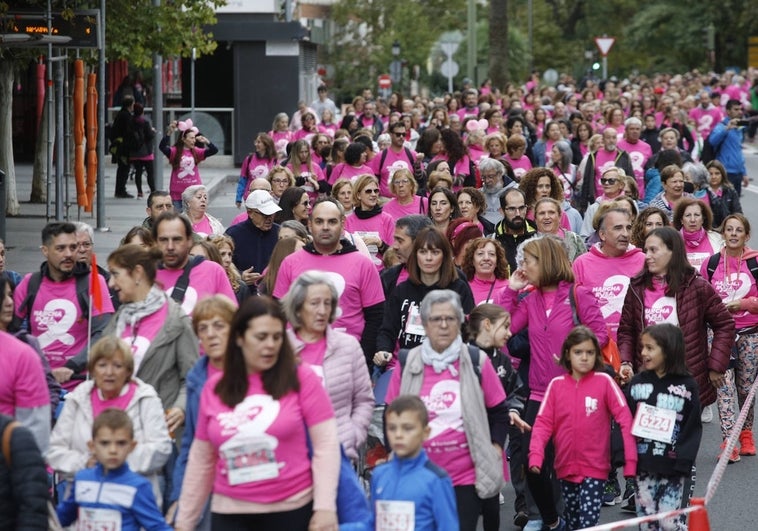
x=187 y=127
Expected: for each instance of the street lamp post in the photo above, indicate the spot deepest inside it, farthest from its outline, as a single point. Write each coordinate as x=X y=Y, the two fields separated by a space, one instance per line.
x=396 y=66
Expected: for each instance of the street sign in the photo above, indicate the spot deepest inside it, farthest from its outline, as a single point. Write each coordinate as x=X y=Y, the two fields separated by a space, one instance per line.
x=449 y=68
x=385 y=81
x=604 y=44
x=81 y=28
x=449 y=47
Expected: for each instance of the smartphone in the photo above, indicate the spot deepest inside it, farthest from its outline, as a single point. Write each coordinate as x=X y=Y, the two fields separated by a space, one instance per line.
x=743 y=123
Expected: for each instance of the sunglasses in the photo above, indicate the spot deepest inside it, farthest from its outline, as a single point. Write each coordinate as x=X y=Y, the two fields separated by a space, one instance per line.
x=398 y=134
x=610 y=180
x=371 y=190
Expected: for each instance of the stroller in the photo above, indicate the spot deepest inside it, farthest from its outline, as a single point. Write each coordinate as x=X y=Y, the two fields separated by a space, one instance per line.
x=374 y=452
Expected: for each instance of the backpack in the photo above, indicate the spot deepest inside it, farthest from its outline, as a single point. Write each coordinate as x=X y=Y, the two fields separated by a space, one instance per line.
x=710 y=152
x=82 y=293
x=473 y=351
x=182 y=283
x=713 y=263
x=135 y=137
x=418 y=172
x=610 y=352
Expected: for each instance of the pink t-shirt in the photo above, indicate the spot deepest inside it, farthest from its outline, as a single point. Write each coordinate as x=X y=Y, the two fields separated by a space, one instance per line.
x=447 y=445
x=392 y=162
x=206 y=278
x=639 y=153
x=354 y=275
x=396 y=211
x=203 y=227
x=56 y=320
x=603 y=160
x=706 y=120
x=302 y=134
x=699 y=253
x=281 y=139
x=313 y=355
x=144 y=333
x=304 y=172
x=476 y=153
x=120 y=402
x=659 y=308
x=22 y=380
x=382 y=224
x=486 y=290
x=346 y=171
x=240 y=218
x=738 y=284
x=520 y=165
x=187 y=174
x=262 y=455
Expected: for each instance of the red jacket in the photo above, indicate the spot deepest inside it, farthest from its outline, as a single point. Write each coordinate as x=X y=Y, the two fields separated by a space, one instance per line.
x=577 y=415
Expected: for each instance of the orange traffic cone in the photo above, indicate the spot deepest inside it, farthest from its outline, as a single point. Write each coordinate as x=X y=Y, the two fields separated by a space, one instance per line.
x=699 y=518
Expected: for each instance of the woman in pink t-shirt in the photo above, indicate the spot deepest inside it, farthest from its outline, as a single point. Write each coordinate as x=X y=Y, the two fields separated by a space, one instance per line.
x=307 y=173
x=486 y=269
x=368 y=220
x=251 y=441
x=195 y=201
x=280 y=133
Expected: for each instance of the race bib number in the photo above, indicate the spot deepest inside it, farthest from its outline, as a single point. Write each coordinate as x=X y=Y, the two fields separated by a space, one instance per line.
x=254 y=461
x=395 y=516
x=98 y=520
x=654 y=423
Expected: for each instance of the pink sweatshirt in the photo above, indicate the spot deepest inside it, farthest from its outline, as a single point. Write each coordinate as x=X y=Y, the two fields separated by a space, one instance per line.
x=574 y=413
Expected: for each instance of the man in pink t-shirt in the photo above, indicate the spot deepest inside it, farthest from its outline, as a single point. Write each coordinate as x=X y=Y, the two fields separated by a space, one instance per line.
x=57 y=307
x=173 y=234
x=361 y=300
x=607 y=267
x=706 y=115
x=393 y=158
x=639 y=150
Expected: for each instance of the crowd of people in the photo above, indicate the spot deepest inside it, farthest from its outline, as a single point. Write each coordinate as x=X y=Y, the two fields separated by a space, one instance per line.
x=538 y=265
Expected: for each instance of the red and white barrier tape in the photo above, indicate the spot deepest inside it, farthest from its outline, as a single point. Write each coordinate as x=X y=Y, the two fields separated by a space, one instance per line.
x=621 y=524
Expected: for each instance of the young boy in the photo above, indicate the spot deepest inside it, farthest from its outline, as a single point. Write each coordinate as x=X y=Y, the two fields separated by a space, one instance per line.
x=109 y=495
x=409 y=491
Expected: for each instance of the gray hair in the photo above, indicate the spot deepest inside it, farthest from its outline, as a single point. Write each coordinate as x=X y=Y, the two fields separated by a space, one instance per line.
x=489 y=164
x=85 y=227
x=440 y=296
x=296 y=226
x=293 y=301
x=413 y=224
x=697 y=173
x=633 y=120
x=189 y=193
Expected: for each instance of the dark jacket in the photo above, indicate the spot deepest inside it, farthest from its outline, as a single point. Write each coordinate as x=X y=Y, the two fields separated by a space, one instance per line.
x=678 y=457
x=142 y=130
x=23 y=485
x=728 y=203
x=515 y=391
x=587 y=195
x=252 y=246
x=510 y=242
x=698 y=307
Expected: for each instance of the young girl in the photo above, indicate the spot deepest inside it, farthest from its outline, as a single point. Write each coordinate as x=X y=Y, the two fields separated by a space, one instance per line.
x=489 y=328
x=184 y=157
x=665 y=470
x=577 y=407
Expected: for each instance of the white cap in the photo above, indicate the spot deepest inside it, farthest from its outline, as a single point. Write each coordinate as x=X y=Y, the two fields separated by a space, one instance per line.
x=262 y=201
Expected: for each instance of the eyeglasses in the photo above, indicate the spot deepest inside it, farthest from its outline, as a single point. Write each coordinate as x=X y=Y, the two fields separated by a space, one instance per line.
x=402 y=181
x=490 y=176
x=440 y=319
x=513 y=210
x=280 y=181
x=398 y=134
x=610 y=180
x=371 y=191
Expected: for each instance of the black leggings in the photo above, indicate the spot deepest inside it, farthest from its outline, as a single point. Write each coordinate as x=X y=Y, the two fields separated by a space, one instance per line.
x=470 y=506
x=542 y=485
x=296 y=520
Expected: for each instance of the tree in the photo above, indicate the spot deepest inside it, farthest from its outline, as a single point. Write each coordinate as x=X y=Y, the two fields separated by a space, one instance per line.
x=498 y=42
x=135 y=29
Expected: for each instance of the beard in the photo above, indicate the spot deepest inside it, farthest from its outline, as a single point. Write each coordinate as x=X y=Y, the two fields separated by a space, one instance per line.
x=516 y=223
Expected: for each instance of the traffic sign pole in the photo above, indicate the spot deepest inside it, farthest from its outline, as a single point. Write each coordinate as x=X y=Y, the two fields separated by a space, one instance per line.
x=604 y=44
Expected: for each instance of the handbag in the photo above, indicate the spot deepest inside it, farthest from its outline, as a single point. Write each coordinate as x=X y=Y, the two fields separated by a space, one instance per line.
x=53 y=524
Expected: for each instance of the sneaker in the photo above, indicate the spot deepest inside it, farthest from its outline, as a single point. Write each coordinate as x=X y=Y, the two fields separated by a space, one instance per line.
x=707 y=415
x=124 y=195
x=520 y=519
x=629 y=504
x=612 y=492
x=139 y=195
x=561 y=526
x=747 y=444
x=533 y=525
x=734 y=456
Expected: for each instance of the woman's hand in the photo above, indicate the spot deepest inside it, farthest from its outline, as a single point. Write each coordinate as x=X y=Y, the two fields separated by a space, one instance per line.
x=201 y=138
x=382 y=358
x=62 y=374
x=535 y=470
x=716 y=378
x=520 y=423
x=518 y=280
x=174 y=419
x=323 y=521
x=171 y=128
x=733 y=306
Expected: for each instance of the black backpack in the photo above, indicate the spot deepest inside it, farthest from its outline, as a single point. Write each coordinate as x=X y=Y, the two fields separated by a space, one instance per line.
x=182 y=283
x=710 y=152
x=135 y=137
x=713 y=263
x=35 y=281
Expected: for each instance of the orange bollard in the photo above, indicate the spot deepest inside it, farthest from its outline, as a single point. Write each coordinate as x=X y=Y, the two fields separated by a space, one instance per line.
x=698 y=520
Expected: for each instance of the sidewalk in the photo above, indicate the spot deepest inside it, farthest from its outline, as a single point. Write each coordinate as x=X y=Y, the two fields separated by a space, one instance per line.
x=23 y=232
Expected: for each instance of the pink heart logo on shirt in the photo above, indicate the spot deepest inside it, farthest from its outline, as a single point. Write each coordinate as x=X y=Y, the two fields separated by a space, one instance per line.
x=617 y=289
x=666 y=311
x=448 y=399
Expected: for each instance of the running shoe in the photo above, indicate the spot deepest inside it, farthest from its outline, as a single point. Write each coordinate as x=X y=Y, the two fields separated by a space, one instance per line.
x=747 y=444
x=628 y=503
x=612 y=492
x=734 y=456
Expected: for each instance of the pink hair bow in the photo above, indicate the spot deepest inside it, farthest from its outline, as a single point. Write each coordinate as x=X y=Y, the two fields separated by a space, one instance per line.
x=482 y=124
x=186 y=126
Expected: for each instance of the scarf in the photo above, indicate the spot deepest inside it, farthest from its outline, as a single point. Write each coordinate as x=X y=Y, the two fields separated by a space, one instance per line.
x=441 y=360
x=693 y=239
x=367 y=214
x=132 y=312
